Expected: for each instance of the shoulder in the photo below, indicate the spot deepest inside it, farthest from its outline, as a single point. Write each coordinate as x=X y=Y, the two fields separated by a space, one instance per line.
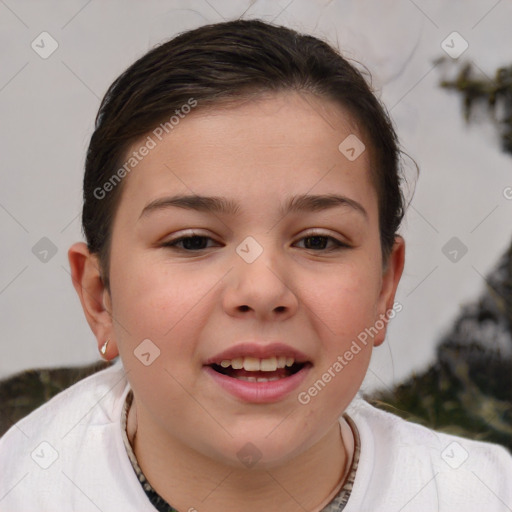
x=70 y=450
x=63 y=410
x=415 y=467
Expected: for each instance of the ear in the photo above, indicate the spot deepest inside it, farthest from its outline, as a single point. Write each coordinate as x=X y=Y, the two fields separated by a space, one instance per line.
x=390 y=279
x=95 y=298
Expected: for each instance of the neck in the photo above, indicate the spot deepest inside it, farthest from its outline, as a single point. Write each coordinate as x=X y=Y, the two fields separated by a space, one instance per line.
x=190 y=481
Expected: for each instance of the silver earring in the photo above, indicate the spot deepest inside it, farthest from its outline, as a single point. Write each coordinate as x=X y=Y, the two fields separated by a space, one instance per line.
x=103 y=348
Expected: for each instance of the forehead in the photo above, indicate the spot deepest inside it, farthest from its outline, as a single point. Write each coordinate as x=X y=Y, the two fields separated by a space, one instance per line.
x=283 y=144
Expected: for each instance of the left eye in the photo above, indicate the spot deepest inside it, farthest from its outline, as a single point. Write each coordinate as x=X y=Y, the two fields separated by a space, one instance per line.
x=320 y=243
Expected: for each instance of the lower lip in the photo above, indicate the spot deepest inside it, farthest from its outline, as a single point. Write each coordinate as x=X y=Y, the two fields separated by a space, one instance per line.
x=259 y=392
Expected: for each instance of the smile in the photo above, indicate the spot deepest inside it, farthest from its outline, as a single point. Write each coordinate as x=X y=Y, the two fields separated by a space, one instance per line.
x=264 y=379
x=252 y=369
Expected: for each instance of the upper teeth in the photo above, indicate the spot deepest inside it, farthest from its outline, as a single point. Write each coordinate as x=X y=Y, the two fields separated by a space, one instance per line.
x=253 y=364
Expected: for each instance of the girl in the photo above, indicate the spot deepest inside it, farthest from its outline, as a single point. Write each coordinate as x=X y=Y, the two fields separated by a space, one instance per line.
x=241 y=206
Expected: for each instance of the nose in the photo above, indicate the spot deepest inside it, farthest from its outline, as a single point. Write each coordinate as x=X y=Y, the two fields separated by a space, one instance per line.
x=261 y=289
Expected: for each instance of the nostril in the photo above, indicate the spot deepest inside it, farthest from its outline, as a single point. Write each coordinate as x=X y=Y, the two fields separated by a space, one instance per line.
x=244 y=308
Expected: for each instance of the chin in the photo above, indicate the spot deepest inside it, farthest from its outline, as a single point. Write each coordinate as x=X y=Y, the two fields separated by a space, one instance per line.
x=261 y=449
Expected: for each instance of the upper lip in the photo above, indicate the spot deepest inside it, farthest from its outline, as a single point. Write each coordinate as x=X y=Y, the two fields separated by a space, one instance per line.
x=258 y=351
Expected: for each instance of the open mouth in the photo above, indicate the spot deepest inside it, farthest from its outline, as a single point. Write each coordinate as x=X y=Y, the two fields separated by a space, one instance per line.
x=259 y=374
x=252 y=369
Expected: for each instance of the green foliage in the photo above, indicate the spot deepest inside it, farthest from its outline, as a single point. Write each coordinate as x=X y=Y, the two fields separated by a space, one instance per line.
x=26 y=391
x=446 y=398
x=495 y=93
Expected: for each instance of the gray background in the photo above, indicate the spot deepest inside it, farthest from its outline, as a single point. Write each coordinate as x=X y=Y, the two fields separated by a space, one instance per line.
x=47 y=110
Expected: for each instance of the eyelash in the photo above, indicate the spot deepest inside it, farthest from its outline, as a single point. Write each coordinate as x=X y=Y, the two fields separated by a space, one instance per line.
x=173 y=244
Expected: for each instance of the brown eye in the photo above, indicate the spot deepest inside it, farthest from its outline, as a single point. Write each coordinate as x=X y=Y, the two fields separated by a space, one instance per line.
x=320 y=243
x=191 y=243
x=315 y=242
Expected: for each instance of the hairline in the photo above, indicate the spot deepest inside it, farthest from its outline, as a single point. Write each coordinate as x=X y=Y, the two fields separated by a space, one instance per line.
x=233 y=100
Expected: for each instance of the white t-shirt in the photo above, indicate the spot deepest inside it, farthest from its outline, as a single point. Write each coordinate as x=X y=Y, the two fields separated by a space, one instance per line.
x=69 y=455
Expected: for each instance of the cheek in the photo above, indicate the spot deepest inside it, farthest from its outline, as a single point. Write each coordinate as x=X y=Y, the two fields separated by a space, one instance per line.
x=155 y=301
x=341 y=310
x=344 y=300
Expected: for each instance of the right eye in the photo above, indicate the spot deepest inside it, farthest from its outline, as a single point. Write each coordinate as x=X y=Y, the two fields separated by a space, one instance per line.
x=191 y=243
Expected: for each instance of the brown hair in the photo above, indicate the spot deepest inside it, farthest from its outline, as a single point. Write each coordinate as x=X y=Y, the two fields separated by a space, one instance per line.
x=217 y=63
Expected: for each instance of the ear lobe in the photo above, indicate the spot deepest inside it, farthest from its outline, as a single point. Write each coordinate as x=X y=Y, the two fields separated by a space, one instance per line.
x=390 y=279
x=94 y=297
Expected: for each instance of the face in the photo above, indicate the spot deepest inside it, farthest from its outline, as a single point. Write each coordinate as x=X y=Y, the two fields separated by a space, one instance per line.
x=246 y=249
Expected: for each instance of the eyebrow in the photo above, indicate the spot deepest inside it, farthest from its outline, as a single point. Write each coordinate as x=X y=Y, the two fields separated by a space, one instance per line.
x=322 y=202
x=225 y=206
x=192 y=202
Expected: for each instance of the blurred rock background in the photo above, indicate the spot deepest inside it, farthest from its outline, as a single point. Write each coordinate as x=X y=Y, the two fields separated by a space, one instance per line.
x=468 y=390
